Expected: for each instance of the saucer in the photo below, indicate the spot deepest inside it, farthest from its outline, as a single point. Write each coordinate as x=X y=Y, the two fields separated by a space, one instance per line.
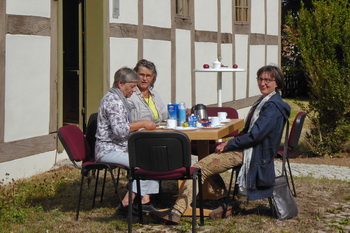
x=226 y=120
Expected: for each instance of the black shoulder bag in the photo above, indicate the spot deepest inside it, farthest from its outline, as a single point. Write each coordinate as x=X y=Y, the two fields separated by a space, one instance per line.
x=282 y=202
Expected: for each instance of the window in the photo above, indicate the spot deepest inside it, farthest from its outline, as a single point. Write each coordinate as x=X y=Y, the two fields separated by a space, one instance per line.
x=182 y=8
x=241 y=8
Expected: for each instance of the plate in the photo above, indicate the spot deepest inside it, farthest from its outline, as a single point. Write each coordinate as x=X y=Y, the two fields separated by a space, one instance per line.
x=212 y=127
x=178 y=128
x=185 y=128
x=226 y=120
x=164 y=127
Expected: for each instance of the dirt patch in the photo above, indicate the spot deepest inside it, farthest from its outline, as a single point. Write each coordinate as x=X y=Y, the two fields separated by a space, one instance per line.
x=345 y=161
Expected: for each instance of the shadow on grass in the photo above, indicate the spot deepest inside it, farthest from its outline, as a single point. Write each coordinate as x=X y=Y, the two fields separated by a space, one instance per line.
x=65 y=194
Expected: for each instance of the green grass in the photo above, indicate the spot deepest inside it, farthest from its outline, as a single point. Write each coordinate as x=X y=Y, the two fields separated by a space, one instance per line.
x=47 y=203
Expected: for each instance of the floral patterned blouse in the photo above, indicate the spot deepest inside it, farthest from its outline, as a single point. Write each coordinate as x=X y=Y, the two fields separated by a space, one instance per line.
x=112 y=126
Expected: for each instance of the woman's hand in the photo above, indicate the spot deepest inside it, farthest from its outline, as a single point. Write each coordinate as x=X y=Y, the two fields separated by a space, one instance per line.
x=220 y=148
x=149 y=124
x=145 y=124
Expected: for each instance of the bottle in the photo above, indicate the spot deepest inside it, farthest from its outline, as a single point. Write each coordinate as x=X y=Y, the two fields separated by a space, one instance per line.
x=182 y=114
x=173 y=111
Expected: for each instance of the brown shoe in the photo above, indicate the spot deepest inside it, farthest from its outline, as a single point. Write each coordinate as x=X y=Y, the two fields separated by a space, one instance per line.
x=170 y=216
x=221 y=212
x=225 y=210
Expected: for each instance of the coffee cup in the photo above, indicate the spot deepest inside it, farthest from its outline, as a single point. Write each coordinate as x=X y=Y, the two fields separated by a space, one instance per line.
x=171 y=123
x=222 y=116
x=215 y=121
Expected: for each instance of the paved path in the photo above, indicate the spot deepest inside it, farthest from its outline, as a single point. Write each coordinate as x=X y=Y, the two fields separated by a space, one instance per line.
x=317 y=170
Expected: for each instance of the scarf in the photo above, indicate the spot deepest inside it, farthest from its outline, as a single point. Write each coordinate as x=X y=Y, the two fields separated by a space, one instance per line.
x=123 y=99
x=247 y=153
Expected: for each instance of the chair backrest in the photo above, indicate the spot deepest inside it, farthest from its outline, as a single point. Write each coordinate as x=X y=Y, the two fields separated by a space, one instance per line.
x=74 y=142
x=231 y=112
x=159 y=151
x=296 y=129
x=91 y=132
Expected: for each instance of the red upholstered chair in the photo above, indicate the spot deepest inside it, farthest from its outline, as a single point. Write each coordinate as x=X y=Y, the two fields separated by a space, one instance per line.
x=213 y=111
x=293 y=141
x=231 y=114
x=162 y=156
x=91 y=138
x=78 y=150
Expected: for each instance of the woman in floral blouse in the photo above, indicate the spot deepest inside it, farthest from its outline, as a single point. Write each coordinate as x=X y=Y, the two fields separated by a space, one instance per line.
x=114 y=125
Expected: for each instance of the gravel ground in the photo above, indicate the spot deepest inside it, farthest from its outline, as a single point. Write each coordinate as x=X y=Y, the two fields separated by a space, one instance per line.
x=317 y=170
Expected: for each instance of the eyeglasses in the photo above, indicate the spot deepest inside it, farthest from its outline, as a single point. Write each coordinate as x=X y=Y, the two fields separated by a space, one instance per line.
x=148 y=76
x=266 y=80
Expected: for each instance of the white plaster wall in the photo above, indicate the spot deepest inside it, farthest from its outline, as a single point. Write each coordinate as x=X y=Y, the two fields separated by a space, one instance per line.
x=123 y=52
x=206 y=82
x=128 y=12
x=157 y=13
x=257 y=60
x=272 y=55
x=241 y=56
x=29 y=7
x=159 y=52
x=272 y=17
x=226 y=16
x=257 y=16
x=227 y=77
x=206 y=15
x=183 y=67
x=27 y=87
x=27 y=167
x=243 y=112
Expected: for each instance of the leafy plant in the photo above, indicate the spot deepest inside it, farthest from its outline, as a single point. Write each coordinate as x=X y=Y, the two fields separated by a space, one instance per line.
x=322 y=35
x=18 y=198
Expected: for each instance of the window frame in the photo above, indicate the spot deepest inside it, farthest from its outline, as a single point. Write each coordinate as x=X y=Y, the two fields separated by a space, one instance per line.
x=241 y=12
x=184 y=11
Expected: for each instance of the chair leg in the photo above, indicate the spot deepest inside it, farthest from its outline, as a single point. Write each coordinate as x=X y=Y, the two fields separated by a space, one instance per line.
x=118 y=178
x=291 y=178
x=80 y=192
x=139 y=200
x=95 y=191
x=273 y=210
x=230 y=185
x=235 y=190
x=194 y=209
x=130 y=206
x=114 y=184
x=103 y=185
x=200 y=191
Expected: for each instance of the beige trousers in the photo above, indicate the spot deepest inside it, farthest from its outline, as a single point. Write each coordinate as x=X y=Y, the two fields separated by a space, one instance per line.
x=210 y=165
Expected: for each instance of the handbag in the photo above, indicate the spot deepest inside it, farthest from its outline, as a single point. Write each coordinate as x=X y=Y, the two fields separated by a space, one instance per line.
x=282 y=201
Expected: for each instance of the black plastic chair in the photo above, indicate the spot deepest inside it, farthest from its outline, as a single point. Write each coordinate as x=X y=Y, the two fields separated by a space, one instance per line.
x=293 y=141
x=162 y=156
x=78 y=150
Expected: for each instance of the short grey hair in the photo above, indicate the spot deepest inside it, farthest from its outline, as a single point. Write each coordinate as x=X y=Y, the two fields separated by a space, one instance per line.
x=125 y=75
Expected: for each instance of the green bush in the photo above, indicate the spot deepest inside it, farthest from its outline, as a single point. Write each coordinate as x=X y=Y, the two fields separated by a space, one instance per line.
x=322 y=35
